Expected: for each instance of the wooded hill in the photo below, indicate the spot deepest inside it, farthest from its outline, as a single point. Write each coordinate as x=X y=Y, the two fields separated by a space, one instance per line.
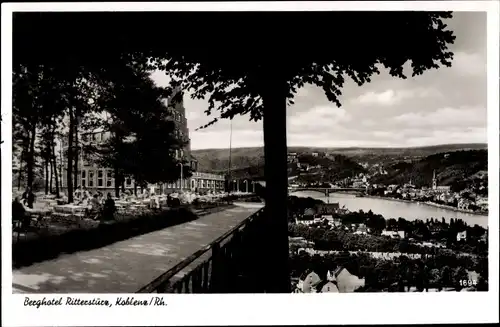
x=450 y=167
x=242 y=158
x=252 y=167
x=333 y=168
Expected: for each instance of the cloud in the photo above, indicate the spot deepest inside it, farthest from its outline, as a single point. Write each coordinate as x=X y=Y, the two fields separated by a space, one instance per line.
x=443 y=117
x=447 y=105
x=391 y=97
x=472 y=135
x=470 y=64
x=388 y=97
x=319 y=117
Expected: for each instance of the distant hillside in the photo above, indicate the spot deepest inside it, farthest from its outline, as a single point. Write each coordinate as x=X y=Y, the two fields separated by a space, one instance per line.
x=450 y=168
x=218 y=159
x=334 y=168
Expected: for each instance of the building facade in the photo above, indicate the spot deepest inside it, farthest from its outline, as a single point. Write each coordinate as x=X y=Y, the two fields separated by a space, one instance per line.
x=199 y=182
x=92 y=177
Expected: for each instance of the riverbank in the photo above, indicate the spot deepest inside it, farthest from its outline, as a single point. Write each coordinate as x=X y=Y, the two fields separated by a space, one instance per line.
x=394 y=208
x=430 y=204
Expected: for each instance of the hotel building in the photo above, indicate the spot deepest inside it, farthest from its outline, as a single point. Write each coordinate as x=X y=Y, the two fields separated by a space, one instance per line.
x=94 y=178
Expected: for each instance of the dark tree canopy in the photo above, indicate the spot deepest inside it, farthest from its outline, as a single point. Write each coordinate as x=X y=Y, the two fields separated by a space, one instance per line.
x=229 y=56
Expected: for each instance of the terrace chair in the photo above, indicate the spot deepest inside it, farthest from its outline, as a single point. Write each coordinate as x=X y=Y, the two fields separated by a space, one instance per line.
x=20 y=227
x=93 y=213
x=40 y=223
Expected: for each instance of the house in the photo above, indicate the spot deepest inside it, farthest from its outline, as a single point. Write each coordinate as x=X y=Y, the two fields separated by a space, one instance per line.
x=309 y=213
x=300 y=241
x=464 y=204
x=336 y=222
x=307 y=218
x=361 y=230
x=482 y=202
x=482 y=174
x=392 y=187
x=315 y=154
x=307 y=282
x=327 y=210
x=393 y=234
x=292 y=157
x=345 y=281
x=484 y=237
x=304 y=166
x=435 y=228
x=442 y=189
x=327 y=287
x=462 y=236
x=318 y=220
x=359 y=184
x=331 y=156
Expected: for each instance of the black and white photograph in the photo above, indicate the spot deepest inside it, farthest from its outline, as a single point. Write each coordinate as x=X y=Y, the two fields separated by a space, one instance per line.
x=249 y=152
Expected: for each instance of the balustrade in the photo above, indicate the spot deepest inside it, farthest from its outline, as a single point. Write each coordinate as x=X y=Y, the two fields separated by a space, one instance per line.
x=230 y=264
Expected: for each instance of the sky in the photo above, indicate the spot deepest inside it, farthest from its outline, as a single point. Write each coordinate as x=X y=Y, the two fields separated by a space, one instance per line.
x=441 y=106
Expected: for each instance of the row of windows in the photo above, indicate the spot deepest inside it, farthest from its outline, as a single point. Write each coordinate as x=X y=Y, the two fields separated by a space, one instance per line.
x=96 y=137
x=100 y=178
x=177 y=115
x=104 y=178
x=179 y=134
x=177 y=184
x=208 y=175
x=202 y=183
x=179 y=154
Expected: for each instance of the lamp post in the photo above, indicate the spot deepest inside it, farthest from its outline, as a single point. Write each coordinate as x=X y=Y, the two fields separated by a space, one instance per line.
x=229 y=188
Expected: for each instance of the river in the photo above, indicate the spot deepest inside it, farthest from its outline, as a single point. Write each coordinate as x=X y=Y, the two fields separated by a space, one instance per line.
x=395 y=209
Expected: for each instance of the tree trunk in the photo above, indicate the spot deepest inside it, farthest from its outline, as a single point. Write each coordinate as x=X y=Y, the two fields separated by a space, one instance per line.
x=60 y=166
x=46 y=166
x=76 y=154
x=56 y=175
x=276 y=196
x=20 y=170
x=51 y=190
x=69 y=175
x=135 y=186
x=31 y=155
x=123 y=183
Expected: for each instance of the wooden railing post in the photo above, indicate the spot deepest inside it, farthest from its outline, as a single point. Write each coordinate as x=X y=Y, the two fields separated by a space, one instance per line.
x=234 y=273
x=216 y=269
x=164 y=288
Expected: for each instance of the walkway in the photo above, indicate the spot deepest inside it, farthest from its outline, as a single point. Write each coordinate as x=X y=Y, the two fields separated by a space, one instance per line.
x=125 y=266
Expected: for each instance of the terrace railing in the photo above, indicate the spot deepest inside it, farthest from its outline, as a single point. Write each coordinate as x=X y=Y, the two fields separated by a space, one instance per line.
x=230 y=264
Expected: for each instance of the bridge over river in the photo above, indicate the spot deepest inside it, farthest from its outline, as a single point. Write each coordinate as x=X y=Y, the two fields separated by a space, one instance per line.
x=126 y=266
x=327 y=191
